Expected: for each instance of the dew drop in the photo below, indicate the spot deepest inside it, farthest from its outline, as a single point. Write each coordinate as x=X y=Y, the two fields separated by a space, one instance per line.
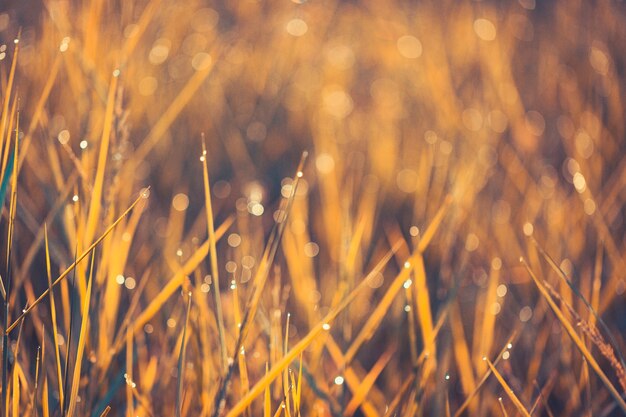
x=63 y=136
x=528 y=229
x=501 y=290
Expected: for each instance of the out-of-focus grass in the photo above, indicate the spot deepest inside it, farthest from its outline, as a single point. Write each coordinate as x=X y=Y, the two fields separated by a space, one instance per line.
x=445 y=141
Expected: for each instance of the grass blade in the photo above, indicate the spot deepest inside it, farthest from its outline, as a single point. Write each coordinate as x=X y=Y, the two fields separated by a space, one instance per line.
x=93 y=218
x=213 y=258
x=181 y=360
x=53 y=316
x=82 y=340
x=6 y=177
x=178 y=278
x=361 y=393
x=507 y=389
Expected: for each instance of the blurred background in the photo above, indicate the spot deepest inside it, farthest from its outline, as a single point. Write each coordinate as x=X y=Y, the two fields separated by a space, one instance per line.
x=505 y=117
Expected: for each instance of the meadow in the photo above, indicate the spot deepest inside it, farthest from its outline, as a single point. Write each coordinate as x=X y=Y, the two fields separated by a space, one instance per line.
x=322 y=208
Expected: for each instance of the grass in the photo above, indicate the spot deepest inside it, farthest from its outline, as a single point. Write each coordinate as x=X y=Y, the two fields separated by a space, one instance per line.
x=340 y=192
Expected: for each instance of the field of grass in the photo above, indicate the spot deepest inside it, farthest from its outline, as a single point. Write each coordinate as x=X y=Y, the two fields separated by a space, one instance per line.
x=322 y=208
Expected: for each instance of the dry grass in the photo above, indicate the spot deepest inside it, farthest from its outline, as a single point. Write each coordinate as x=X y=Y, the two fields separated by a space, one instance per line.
x=312 y=208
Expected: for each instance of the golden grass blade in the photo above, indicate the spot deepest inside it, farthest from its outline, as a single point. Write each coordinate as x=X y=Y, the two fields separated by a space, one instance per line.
x=241 y=356
x=299 y=386
x=7 y=95
x=45 y=407
x=41 y=102
x=483 y=336
x=130 y=409
x=144 y=404
x=53 y=316
x=15 y=387
x=430 y=231
x=461 y=351
x=480 y=383
x=38 y=241
x=13 y=202
x=395 y=403
x=40 y=359
x=6 y=166
x=543 y=394
x=116 y=252
x=176 y=106
x=352 y=379
x=596 y=284
x=424 y=314
x=5 y=338
x=576 y=339
x=293 y=392
x=181 y=360
x=361 y=392
x=43 y=346
x=286 y=384
x=518 y=404
x=66 y=303
x=179 y=277
x=420 y=289
x=106 y=411
x=140 y=28
x=379 y=312
x=213 y=257
x=118 y=342
x=412 y=325
x=82 y=340
x=68 y=344
x=267 y=401
x=280 y=409
x=204 y=332
x=504 y=413
x=93 y=218
x=69 y=269
x=314 y=333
